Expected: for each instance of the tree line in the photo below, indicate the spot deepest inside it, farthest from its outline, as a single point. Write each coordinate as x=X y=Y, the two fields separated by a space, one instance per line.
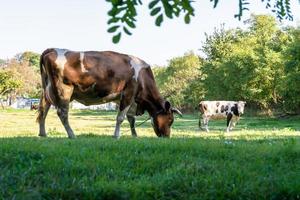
x=259 y=64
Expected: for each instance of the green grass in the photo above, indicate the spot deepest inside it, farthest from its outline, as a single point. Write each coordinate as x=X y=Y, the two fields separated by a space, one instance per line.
x=260 y=159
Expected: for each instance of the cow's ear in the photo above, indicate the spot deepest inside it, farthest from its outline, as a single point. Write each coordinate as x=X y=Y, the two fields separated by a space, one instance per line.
x=167 y=106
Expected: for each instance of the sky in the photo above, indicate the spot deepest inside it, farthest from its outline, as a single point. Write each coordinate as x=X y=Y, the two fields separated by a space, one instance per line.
x=35 y=25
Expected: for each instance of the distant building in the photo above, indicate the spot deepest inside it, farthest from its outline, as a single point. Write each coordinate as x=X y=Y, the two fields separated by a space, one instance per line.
x=24 y=103
x=28 y=103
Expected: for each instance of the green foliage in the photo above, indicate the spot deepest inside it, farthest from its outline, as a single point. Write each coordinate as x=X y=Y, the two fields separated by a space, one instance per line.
x=123 y=13
x=291 y=89
x=32 y=58
x=27 y=75
x=257 y=162
x=174 y=80
x=8 y=82
x=259 y=65
x=246 y=64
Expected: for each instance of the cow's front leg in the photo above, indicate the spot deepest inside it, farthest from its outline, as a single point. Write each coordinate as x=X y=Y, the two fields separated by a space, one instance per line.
x=63 y=112
x=131 y=120
x=234 y=121
x=120 y=118
x=205 y=122
x=229 y=119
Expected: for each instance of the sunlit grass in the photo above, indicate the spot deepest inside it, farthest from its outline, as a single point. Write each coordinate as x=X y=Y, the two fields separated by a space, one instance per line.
x=260 y=159
x=15 y=123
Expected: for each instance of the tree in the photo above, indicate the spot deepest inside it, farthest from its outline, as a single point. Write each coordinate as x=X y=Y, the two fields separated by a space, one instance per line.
x=8 y=83
x=246 y=65
x=27 y=75
x=291 y=89
x=174 y=80
x=32 y=58
x=123 y=12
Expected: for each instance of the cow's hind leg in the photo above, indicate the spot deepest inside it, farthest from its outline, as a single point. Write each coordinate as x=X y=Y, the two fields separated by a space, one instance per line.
x=63 y=114
x=42 y=113
x=229 y=121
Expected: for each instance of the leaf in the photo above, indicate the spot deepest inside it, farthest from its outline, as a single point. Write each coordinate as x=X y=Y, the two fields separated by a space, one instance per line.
x=115 y=11
x=155 y=11
x=130 y=23
x=159 y=20
x=113 y=29
x=113 y=20
x=127 y=31
x=168 y=9
x=187 y=19
x=215 y=2
x=116 y=38
x=152 y=4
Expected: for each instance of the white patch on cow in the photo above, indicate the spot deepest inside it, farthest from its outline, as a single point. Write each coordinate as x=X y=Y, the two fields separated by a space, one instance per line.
x=137 y=64
x=81 y=62
x=61 y=59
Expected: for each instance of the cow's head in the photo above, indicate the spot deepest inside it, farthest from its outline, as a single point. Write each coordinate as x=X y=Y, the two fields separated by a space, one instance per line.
x=241 y=106
x=163 y=120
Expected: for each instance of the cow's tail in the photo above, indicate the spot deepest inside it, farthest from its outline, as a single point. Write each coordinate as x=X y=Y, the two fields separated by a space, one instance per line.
x=44 y=80
x=43 y=72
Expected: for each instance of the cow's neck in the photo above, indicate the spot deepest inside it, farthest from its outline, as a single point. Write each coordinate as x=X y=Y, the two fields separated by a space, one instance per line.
x=154 y=104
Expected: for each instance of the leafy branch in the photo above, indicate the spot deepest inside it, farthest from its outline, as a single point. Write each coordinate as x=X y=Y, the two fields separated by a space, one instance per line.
x=123 y=12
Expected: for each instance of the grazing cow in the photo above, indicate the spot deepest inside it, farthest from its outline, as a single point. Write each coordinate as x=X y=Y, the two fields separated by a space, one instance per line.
x=231 y=110
x=98 y=77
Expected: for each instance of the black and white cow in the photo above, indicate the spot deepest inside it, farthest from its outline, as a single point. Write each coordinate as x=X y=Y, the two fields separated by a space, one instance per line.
x=231 y=110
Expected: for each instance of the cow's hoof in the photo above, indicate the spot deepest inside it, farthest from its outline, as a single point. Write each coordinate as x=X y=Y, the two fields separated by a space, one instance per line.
x=116 y=137
x=71 y=136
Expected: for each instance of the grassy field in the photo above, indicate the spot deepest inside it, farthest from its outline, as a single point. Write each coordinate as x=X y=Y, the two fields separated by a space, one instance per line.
x=260 y=159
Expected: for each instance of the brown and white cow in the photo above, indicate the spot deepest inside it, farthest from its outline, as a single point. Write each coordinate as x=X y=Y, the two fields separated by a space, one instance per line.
x=231 y=110
x=97 y=77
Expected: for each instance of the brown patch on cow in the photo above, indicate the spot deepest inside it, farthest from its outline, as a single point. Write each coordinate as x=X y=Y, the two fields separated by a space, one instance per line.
x=202 y=107
x=164 y=122
x=217 y=104
x=118 y=87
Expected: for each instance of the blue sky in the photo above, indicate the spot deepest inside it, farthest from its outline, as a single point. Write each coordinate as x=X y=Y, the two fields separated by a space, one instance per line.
x=81 y=25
